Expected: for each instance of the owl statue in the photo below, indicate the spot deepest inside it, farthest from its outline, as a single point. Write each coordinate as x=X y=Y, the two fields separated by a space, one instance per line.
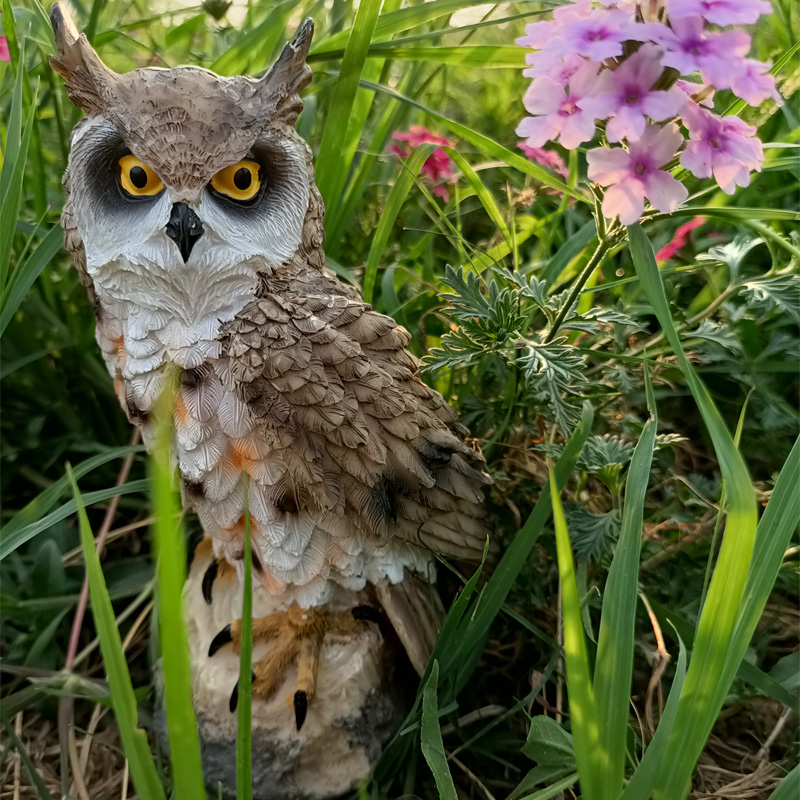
x=196 y=227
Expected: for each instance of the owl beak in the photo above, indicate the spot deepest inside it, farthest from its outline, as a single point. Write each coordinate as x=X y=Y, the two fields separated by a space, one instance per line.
x=184 y=228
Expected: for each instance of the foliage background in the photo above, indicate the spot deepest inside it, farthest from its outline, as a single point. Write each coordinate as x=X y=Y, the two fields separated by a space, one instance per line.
x=451 y=65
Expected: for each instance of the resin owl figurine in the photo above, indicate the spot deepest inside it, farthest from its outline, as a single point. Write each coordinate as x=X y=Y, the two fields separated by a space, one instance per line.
x=195 y=225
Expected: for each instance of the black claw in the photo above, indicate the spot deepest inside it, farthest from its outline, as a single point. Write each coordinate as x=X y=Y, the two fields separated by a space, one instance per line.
x=234 y=701
x=300 y=708
x=367 y=613
x=220 y=640
x=194 y=540
x=208 y=580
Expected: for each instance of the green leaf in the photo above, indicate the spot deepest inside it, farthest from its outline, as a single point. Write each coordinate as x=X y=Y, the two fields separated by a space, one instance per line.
x=402 y=186
x=26 y=274
x=431 y=737
x=475 y=630
x=486 y=144
x=480 y=56
x=549 y=744
x=331 y=168
x=134 y=740
x=170 y=548
x=11 y=541
x=643 y=780
x=789 y=787
x=615 y=646
x=701 y=699
x=590 y=752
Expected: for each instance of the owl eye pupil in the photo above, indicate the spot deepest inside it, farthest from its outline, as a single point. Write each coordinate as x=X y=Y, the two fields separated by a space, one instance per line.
x=138 y=177
x=242 y=179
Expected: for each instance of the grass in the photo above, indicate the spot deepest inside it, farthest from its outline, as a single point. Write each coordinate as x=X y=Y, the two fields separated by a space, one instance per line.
x=544 y=681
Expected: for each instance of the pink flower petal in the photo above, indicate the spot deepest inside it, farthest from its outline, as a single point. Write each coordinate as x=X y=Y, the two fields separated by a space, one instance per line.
x=627 y=123
x=607 y=164
x=624 y=200
x=538 y=130
x=664 y=192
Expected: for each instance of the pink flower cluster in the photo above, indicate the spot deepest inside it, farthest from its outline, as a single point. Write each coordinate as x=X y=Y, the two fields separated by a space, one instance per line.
x=438 y=167
x=618 y=63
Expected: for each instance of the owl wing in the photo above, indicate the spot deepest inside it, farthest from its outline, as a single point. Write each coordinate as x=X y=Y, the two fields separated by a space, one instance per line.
x=363 y=438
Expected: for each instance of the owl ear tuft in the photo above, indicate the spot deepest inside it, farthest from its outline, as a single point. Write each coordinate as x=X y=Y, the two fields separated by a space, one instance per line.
x=89 y=81
x=280 y=88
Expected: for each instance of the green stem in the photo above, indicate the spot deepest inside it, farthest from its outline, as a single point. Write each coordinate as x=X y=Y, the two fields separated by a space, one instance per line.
x=599 y=254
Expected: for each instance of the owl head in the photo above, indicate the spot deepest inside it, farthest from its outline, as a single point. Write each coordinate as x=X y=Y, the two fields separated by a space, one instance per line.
x=183 y=171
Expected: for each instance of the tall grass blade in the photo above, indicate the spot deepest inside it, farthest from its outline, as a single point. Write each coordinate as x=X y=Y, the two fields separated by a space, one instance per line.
x=42 y=503
x=590 y=753
x=11 y=177
x=700 y=700
x=431 y=737
x=11 y=541
x=789 y=788
x=170 y=547
x=615 y=647
x=331 y=168
x=484 y=195
x=476 y=629
x=487 y=145
x=643 y=780
x=26 y=274
x=244 y=732
x=394 y=202
x=134 y=740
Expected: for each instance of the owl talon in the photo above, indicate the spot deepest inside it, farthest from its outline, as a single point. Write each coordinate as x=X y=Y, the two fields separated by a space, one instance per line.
x=297 y=635
x=220 y=640
x=209 y=577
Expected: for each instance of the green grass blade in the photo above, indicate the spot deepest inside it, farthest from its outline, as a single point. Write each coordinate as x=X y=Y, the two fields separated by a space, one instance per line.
x=487 y=145
x=11 y=177
x=480 y=56
x=484 y=195
x=401 y=21
x=699 y=704
x=134 y=740
x=170 y=548
x=10 y=542
x=41 y=504
x=643 y=780
x=431 y=737
x=331 y=168
x=555 y=789
x=14 y=743
x=590 y=753
x=394 y=202
x=569 y=250
x=244 y=732
x=789 y=788
x=494 y=594
x=26 y=274
x=253 y=50
x=747 y=672
x=614 y=664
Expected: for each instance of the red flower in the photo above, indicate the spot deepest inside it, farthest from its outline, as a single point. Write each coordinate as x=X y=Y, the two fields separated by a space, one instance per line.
x=5 y=53
x=438 y=167
x=680 y=240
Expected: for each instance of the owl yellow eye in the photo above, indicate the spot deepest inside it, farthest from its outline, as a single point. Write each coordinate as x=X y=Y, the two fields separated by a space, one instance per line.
x=239 y=181
x=137 y=179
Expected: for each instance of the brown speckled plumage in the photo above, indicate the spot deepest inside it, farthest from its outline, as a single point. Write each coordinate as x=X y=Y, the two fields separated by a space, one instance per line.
x=358 y=472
